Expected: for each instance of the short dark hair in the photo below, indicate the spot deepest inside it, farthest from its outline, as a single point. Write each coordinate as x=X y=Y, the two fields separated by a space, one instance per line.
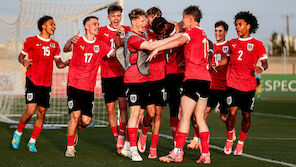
x=154 y=11
x=114 y=8
x=88 y=18
x=194 y=11
x=223 y=24
x=249 y=19
x=136 y=13
x=42 y=20
x=158 y=24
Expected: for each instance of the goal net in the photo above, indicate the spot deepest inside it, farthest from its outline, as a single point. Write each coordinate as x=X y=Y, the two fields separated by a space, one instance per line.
x=68 y=17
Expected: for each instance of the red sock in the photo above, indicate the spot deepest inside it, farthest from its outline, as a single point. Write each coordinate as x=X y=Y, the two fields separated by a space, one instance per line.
x=133 y=133
x=229 y=135
x=114 y=131
x=205 y=141
x=127 y=137
x=145 y=130
x=180 y=139
x=20 y=127
x=154 y=141
x=242 y=136
x=173 y=123
x=70 y=140
x=122 y=127
x=36 y=132
x=176 y=133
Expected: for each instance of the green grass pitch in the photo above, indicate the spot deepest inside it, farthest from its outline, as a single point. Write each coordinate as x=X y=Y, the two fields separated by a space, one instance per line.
x=272 y=136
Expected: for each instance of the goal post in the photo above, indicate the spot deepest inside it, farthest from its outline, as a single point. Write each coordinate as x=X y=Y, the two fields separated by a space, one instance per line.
x=12 y=74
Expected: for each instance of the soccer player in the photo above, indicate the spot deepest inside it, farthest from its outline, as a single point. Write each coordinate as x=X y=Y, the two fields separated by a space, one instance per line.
x=174 y=69
x=88 y=52
x=240 y=78
x=134 y=80
x=112 y=76
x=196 y=84
x=217 y=92
x=41 y=50
x=156 y=91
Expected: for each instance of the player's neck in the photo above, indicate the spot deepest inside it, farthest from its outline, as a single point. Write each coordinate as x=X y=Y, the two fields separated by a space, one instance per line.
x=44 y=35
x=247 y=35
x=89 y=36
x=194 y=24
x=113 y=27
x=221 y=41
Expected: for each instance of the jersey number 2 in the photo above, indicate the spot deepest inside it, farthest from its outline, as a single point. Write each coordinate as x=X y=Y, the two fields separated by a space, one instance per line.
x=240 y=55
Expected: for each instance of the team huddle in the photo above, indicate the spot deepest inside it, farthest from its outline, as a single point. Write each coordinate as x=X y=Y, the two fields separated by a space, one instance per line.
x=143 y=67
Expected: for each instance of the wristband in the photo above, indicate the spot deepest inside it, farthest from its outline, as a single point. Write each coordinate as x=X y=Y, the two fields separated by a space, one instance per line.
x=217 y=64
x=262 y=68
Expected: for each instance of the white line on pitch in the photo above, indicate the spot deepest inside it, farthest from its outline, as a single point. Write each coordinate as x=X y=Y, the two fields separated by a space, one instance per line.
x=244 y=155
x=274 y=115
x=260 y=138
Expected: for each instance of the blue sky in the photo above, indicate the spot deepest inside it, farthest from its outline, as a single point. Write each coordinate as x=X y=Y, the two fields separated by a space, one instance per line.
x=268 y=12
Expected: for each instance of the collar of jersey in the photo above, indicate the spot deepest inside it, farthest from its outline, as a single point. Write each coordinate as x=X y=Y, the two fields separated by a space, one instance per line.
x=245 y=39
x=43 y=39
x=197 y=27
x=93 y=41
x=221 y=43
x=110 y=28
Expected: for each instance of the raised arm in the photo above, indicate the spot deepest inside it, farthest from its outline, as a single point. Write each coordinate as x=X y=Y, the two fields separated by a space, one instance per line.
x=68 y=45
x=181 y=40
x=153 y=45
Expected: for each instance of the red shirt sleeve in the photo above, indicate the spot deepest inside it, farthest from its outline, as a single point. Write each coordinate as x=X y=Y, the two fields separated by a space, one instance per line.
x=135 y=42
x=261 y=52
x=58 y=50
x=27 y=46
x=104 y=48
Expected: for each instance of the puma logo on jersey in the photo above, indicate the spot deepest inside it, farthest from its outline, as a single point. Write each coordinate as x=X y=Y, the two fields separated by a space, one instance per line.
x=82 y=47
x=233 y=45
x=107 y=35
x=37 y=44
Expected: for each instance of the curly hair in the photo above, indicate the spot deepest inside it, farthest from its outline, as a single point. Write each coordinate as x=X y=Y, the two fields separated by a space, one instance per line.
x=194 y=11
x=42 y=20
x=249 y=19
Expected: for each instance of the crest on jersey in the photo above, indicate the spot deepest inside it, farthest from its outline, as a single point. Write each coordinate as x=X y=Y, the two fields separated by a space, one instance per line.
x=225 y=49
x=70 y=104
x=133 y=98
x=52 y=45
x=96 y=48
x=30 y=96
x=250 y=46
x=229 y=100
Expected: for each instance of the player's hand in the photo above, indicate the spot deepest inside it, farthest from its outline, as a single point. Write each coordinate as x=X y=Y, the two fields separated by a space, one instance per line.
x=213 y=67
x=258 y=69
x=27 y=63
x=75 y=38
x=67 y=62
x=152 y=55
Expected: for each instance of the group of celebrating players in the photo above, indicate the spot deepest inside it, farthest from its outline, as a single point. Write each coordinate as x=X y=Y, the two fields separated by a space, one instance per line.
x=164 y=62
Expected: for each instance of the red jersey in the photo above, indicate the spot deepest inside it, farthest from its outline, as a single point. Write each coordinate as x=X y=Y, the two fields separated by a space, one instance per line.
x=245 y=53
x=132 y=74
x=221 y=51
x=42 y=52
x=174 y=58
x=111 y=67
x=85 y=62
x=157 y=65
x=196 y=51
